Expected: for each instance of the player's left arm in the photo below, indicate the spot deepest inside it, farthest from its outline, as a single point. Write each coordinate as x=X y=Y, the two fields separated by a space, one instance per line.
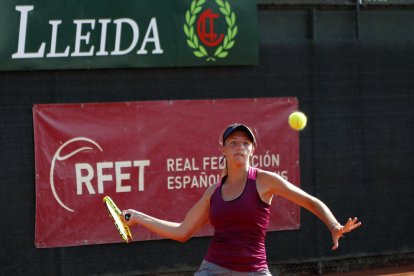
x=273 y=184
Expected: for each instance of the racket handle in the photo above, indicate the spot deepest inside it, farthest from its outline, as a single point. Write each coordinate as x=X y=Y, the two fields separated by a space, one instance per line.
x=127 y=216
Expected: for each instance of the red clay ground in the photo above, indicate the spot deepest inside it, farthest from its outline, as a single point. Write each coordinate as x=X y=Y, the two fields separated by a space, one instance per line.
x=401 y=270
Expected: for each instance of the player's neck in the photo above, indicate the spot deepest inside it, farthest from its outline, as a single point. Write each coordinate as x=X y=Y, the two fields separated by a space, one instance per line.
x=237 y=175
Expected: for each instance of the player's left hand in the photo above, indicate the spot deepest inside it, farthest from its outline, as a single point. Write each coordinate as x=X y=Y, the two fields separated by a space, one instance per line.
x=338 y=231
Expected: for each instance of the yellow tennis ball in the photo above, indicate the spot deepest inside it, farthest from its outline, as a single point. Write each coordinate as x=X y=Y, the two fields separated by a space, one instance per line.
x=297 y=120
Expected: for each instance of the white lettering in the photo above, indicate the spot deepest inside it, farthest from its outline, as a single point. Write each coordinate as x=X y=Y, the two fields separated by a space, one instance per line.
x=103 y=177
x=122 y=176
x=141 y=165
x=24 y=10
x=80 y=37
x=83 y=42
x=104 y=28
x=182 y=164
x=152 y=28
x=110 y=172
x=85 y=179
x=135 y=35
x=170 y=165
x=266 y=161
x=212 y=163
x=53 y=41
x=190 y=182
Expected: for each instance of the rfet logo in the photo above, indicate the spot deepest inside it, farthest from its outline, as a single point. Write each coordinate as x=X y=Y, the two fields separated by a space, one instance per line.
x=91 y=177
x=202 y=29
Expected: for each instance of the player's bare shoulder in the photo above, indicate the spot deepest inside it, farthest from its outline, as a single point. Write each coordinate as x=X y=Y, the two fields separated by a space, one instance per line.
x=210 y=190
x=267 y=181
x=205 y=199
x=264 y=176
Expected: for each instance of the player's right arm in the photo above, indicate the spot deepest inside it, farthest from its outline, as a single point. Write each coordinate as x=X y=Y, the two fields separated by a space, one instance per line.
x=180 y=231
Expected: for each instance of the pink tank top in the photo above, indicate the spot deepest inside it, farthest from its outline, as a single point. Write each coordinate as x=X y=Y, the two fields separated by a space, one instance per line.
x=240 y=228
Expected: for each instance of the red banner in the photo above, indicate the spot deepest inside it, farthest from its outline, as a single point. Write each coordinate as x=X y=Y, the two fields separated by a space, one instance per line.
x=156 y=156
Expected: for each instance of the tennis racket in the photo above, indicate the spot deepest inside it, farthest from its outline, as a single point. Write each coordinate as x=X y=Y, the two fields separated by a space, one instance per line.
x=116 y=214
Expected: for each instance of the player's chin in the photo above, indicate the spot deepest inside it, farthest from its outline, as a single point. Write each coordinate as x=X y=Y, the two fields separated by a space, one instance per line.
x=240 y=160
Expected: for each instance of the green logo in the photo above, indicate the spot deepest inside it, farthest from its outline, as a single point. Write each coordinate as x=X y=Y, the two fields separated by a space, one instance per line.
x=203 y=35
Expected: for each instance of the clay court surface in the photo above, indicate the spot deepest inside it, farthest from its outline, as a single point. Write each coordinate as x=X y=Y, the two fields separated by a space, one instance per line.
x=402 y=270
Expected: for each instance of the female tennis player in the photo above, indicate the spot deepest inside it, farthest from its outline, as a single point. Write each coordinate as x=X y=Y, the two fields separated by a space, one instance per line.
x=238 y=208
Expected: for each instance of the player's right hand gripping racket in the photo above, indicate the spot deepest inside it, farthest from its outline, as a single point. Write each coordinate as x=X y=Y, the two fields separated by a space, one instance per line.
x=116 y=214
